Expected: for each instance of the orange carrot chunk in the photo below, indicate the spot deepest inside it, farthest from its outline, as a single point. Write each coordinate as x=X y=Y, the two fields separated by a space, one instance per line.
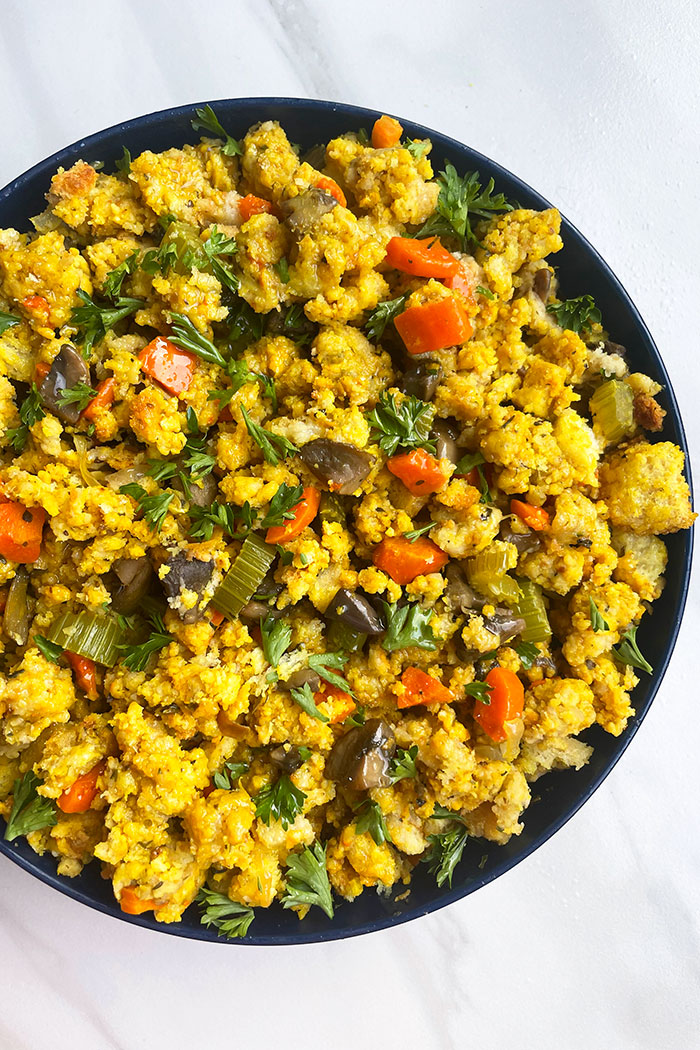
x=132 y=904
x=105 y=397
x=386 y=132
x=37 y=305
x=421 y=258
x=433 y=326
x=420 y=472
x=422 y=688
x=304 y=513
x=340 y=704
x=332 y=187
x=21 y=529
x=80 y=795
x=536 y=517
x=40 y=372
x=462 y=280
x=85 y=673
x=507 y=698
x=252 y=205
x=403 y=560
x=171 y=366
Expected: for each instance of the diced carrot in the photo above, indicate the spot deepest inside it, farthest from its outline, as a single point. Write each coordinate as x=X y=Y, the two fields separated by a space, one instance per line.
x=132 y=904
x=433 y=326
x=331 y=186
x=386 y=132
x=304 y=513
x=536 y=517
x=85 y=673
x=420 y=472
x=105 y=397
x=340 y=704
x=506 y=701
x=462 y=280
x=404 y=559
x=20 y=531
x=422 y=688
x=37 y=305
x=216 y=618
x=421 y=258
x=80 y=795
x=41 y=371
x=170 y=365
x=252 y=205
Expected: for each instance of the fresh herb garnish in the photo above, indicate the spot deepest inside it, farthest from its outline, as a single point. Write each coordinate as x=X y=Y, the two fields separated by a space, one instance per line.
x=49 y=650
x=598 y=621
x=217 y=515
x=230 y=772
x=81 y=395
x=576 y=314
x=322 y=663
x=486 y=292
x=403 y=764
x=357 y=718
x=93 y=320
x=136 y=657
x=276 y=638
x=383 y=315
x=461 y=199
x=282 y=505
x=467 y=463
x=154 y=508
x=296 y=325
x=124 y=163
x=30 y=811
x=227 y=916
x=281 y=801
x=416 y=147
x=216 y=246
x=479 y=690
x=307 y=880
x=185 y=335
x=115 y=278
x=446 y=853
x=274 y=447
x=7 y=321
x=245 y=326
x=404 y=424
x=414 y=534
x=408 y=625
x=371 y=819
x=528 y=653
x=627 y=652
x=281 y=268
x=208 y=121
x=305 y=698
x=30 y=412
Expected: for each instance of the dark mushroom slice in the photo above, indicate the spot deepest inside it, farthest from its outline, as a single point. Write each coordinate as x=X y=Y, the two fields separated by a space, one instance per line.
x=316 y=157
x=504 y=623
x=458 y=593
x=268 y=588
x=614 y=348
x=68 y=369
x=15 y=621
x=303 y=212
x=304 y=676
x=286 y=758
x=343 y=467
x=541 y=283
x=355 y=611
x=421 y=379
x=187 y=574
x=360 y=759
x=445 y=440
x=200 y=492
x=129 y=583
x=524 y=542
x=255 y=611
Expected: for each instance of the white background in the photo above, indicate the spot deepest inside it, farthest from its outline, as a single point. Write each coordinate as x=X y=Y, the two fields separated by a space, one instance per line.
x=594 y=941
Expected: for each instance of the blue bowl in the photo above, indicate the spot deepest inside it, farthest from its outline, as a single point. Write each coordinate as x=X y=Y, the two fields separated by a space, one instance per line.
x=581 y=270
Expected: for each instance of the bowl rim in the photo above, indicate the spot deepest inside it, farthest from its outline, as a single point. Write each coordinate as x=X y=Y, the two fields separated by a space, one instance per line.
x=161 y=117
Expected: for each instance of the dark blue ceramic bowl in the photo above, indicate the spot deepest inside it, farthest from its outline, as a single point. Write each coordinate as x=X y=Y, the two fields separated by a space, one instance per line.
x=581 y=270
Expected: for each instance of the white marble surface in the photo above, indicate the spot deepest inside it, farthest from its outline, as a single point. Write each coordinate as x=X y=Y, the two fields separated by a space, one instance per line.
x=594 y=941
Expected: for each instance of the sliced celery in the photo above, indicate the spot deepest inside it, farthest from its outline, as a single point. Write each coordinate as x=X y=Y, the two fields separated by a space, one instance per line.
x=487 y=574
x=96 y=636
x=331 y=508
x=244 y=577
x=612 y=406
x=532 y=608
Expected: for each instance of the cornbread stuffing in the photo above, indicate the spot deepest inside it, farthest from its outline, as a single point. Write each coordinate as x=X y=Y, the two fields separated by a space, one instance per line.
x=326 y=523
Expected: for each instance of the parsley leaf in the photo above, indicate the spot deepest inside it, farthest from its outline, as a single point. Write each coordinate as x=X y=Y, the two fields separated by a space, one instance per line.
x=208 y=121
x=416 y=147
x=231 y=771
x=281 y=268
x=7 y=321
x=136 y=657
x=307 y=880
x=466 y=464
x=188 y=337
x=598 y=622
x=154 y=508
x=462 y=198
x=383 y=315
x=479 y=690
x=408 y=625
x=124 y=163
x=404 y=424
x=281 y=801
x=217 y=515
x=357 y=718
x=403 y=764
x=30 y=412
x=216 y=245
x=282 y=505
x=446 y=853
x=276 y=638
x=274 y=447
x=627 y=652
x=296 y=325
x=246 y=326
x=528 y=653
x=93 y=320
x=49 y=650
x=30 y=811
x=486 y=292
x=415 y=533
x=321 y=662
x=81 y=395
x=305 y=698
x=576 y=314
x=114 y=280
x=227 y=916
x=370 y=818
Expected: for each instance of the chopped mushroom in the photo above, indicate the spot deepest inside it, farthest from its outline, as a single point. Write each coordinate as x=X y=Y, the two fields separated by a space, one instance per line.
x=303 y=212
x=360 y=759
x=132 y=578
x=67 y=370
x=186 y=573
x=421 y=379
x=343 y=467
x=355 y=611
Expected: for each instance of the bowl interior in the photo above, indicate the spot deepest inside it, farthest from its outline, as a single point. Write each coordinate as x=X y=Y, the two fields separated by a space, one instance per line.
x=581 y=270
